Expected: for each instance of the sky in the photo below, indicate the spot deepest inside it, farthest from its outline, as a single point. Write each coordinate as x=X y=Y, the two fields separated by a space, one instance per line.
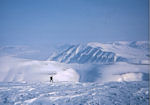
x=50 y=22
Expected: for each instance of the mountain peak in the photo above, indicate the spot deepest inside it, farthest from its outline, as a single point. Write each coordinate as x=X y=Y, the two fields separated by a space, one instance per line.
x=95 y=52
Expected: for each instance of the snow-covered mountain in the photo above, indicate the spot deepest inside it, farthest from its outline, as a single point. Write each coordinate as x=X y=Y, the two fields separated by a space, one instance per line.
x=105 y=53
x=112 y=73
x=82 y=63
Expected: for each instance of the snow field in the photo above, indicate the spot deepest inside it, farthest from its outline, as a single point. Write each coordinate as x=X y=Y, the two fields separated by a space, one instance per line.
x=67 y=93
x=23 y=70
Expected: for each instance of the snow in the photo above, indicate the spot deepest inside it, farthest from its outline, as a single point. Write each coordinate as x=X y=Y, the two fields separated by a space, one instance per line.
x=114 y=93
x=131 y=77
x=85 y=82
x=123 y=71
x=22 y=70
x=124 y=49
x=66 y=75
x=95 y=52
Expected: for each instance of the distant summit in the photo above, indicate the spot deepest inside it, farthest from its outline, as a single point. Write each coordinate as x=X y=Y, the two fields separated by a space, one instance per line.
x=105 y=53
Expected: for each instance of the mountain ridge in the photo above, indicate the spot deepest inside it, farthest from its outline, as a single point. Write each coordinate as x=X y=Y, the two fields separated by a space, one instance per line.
x=105 y=53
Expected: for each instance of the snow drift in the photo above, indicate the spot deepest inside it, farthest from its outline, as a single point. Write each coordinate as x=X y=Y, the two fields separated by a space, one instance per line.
x=23 y=70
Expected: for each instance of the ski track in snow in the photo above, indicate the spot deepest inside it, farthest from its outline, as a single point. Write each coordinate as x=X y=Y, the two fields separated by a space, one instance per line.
x=67 y=93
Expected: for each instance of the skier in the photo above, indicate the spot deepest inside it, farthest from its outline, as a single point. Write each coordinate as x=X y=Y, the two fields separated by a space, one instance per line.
x=51 y=78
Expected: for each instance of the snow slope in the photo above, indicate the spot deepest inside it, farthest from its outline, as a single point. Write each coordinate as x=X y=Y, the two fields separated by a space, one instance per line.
x=105 y=53
x=118 y=72
x=23 y=70
x=85 y=54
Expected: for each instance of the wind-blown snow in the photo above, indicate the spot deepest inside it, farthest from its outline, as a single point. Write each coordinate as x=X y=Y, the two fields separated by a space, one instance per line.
x=23 y=70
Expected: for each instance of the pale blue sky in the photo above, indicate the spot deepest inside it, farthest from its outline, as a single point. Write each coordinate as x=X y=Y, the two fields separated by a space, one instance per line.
x=50 y=22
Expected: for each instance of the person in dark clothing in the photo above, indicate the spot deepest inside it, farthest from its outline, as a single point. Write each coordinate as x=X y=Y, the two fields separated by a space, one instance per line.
x=51 y=79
